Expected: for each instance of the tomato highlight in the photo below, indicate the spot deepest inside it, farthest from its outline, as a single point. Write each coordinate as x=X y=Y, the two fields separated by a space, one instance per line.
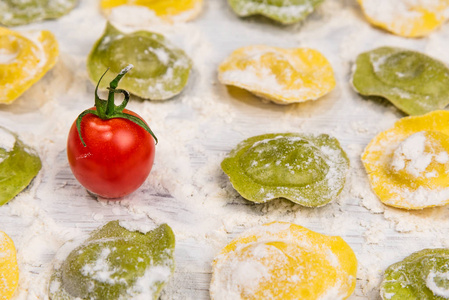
x=111 y=149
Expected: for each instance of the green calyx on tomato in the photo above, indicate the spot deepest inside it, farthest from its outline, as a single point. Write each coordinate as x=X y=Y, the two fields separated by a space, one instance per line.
x=106 y=109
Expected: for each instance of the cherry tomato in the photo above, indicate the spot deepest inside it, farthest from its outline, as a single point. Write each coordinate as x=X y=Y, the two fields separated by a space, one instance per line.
x=111 y=149
x=118 y=156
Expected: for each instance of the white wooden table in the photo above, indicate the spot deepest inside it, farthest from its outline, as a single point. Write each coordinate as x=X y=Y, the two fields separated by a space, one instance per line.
x=187 y=188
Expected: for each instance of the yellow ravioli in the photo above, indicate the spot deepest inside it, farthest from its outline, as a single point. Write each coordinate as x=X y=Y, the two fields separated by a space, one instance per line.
x=24 y=59
x=283 y=76
x=171 y=10
x=9 y=271
x=408 y=18
x=408 y=165
x=281 y=260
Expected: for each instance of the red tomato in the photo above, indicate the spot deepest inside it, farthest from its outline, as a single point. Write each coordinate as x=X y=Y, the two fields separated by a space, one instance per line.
x=117 y=158
x=111 y=149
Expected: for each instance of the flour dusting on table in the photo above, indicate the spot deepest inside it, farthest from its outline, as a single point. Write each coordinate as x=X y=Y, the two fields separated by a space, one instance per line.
x=187 y=188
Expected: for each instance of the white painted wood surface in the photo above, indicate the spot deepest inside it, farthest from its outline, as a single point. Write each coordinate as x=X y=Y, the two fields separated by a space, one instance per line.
x=187 y=188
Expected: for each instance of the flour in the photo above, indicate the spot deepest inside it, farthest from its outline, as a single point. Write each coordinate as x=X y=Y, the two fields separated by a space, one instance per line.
x=7 y=140
x=434 y=287
x=420 y=197
x=378 y=62
x=187 y=188
x=411 y=156
x=241 y=276
x=140 y=226
x=7 y=56
x=141 y=15
x=100 y=270
x=161 y=55
x=264 y=78
x=145 y=286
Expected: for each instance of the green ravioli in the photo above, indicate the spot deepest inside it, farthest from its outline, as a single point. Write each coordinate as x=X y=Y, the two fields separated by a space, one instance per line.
x=283 y=11
x=415 y=83
x=424 y=275
x=115 y=263
x=306 y=169
x=21 y=12
x=160 y=71
x=19 y=164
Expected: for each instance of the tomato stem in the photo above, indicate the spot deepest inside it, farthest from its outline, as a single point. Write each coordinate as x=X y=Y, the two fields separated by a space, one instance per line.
x=106 y=109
